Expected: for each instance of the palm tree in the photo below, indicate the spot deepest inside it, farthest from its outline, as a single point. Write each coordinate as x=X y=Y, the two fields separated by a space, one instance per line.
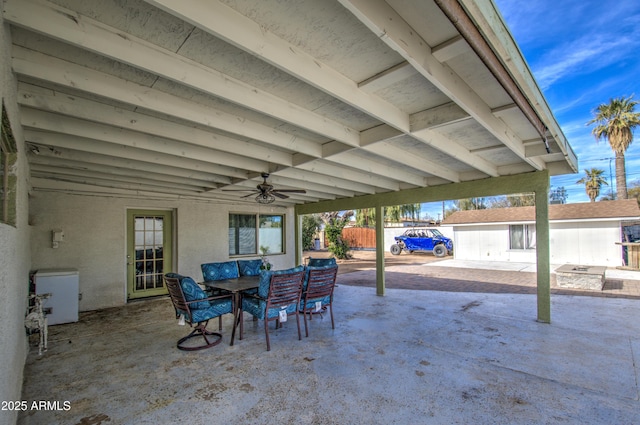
x=615 y=122
x=592 y=182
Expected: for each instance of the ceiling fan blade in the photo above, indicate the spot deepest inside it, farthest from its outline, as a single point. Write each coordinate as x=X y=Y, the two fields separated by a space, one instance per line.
x=279 y=195
x=239 y=190
x=246 y=196
x=291 y=190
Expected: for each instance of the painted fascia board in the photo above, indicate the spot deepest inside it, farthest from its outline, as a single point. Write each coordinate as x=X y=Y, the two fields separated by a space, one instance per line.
x=582 y=220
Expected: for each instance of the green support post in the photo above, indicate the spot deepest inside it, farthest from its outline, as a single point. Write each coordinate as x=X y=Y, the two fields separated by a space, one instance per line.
x=380 y=283
x=543 y=254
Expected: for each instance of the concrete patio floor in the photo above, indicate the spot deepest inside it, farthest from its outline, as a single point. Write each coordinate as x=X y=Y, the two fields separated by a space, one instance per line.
x=412 y=356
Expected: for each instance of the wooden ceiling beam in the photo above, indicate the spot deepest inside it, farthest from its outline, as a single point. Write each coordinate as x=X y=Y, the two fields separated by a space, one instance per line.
x=143 y=123
x=78 y=30
x=82 y=144
x=52 y=163
x=47 y=68
x=387 y=23
x=223 y=22
x=120 y=139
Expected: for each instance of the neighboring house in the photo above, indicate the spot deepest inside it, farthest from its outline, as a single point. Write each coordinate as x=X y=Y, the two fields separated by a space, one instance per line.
x=582 y=233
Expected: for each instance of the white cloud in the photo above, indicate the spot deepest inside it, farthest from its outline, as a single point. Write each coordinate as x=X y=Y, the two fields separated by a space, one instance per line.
x=582 y=56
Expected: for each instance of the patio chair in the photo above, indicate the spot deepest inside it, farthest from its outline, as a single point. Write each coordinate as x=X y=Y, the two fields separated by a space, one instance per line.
x=278 y=296
x=191 y=302
x=317 y=292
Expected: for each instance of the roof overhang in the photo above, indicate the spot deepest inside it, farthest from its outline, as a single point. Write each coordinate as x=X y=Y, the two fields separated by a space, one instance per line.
x=349 y=98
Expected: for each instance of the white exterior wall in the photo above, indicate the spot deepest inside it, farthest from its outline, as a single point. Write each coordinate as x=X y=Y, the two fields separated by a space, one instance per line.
x=586 y=243
x=485 y=243
x=95 y=239
x=14 y=252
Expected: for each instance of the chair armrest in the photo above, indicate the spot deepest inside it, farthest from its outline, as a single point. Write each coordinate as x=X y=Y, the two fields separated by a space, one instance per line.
x=212 y=298
x=218 y=297
x=256 y=296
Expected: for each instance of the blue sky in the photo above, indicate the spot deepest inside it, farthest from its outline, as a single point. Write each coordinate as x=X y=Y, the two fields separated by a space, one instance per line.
x=582 y=53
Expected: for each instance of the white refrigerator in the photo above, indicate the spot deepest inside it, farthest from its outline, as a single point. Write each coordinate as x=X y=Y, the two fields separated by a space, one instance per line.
x=63 y=285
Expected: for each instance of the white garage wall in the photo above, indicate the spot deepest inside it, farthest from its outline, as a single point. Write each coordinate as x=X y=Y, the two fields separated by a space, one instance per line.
x=481 y=243
x=95 y=239
x=589 y=243
x=586 y=243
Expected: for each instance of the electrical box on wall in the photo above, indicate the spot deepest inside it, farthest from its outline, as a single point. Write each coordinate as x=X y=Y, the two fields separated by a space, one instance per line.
x=57 y=236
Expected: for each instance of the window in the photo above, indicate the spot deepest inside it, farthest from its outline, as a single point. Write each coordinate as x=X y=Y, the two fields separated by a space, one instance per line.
x=522 y=236
x=8 y=158
x=270 y=233
x=249 y=234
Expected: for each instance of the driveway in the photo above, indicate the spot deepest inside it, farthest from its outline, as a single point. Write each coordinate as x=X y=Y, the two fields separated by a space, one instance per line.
x=424 y=271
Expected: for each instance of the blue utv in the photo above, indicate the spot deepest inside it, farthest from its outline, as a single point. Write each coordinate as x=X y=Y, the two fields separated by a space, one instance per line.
x=423 y=240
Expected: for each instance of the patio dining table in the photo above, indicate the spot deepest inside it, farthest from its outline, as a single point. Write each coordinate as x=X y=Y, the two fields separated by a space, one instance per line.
x=235 y=287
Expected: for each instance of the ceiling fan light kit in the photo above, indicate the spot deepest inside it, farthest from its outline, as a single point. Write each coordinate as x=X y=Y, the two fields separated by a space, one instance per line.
x=266 y=192
x=265 y=198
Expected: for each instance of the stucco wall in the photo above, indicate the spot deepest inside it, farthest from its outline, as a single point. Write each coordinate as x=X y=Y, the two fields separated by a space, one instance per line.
x=587 y=243
x=95 y=239
x=14 y=254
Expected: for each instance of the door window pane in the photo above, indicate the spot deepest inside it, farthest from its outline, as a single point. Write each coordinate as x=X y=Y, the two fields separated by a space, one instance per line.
x=149 y=250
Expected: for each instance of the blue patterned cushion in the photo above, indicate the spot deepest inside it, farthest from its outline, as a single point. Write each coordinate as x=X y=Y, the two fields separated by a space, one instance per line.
x=193 y=292
x=321 y=262
x=311 y=304
x=220 y=271
x=216 y=308
x=249 y=267
x=254 y=306
x=274 y=312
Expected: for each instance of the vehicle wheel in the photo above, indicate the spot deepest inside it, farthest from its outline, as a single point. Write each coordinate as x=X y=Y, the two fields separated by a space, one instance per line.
x=440 y=250
x=395 y=249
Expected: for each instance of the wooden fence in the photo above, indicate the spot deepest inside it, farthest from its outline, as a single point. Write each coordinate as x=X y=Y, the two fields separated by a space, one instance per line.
x=359 y=237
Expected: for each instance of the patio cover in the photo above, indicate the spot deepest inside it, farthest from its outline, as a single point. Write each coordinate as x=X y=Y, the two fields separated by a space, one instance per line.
x=359 y=102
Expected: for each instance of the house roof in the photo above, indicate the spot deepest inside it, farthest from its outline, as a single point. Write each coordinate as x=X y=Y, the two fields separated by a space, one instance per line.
x=623 y=210
x=341 y=98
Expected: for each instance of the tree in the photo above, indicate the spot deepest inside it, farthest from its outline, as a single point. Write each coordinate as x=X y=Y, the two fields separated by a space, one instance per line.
x=333 y=225
x=366 y=217
x=558 y=195
x=616 y=121
x=520 y=200
x=310 y=225
x=592 y=182
x=471 y=204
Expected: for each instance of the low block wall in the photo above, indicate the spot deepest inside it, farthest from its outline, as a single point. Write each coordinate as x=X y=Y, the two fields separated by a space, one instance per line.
x=580 y=277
